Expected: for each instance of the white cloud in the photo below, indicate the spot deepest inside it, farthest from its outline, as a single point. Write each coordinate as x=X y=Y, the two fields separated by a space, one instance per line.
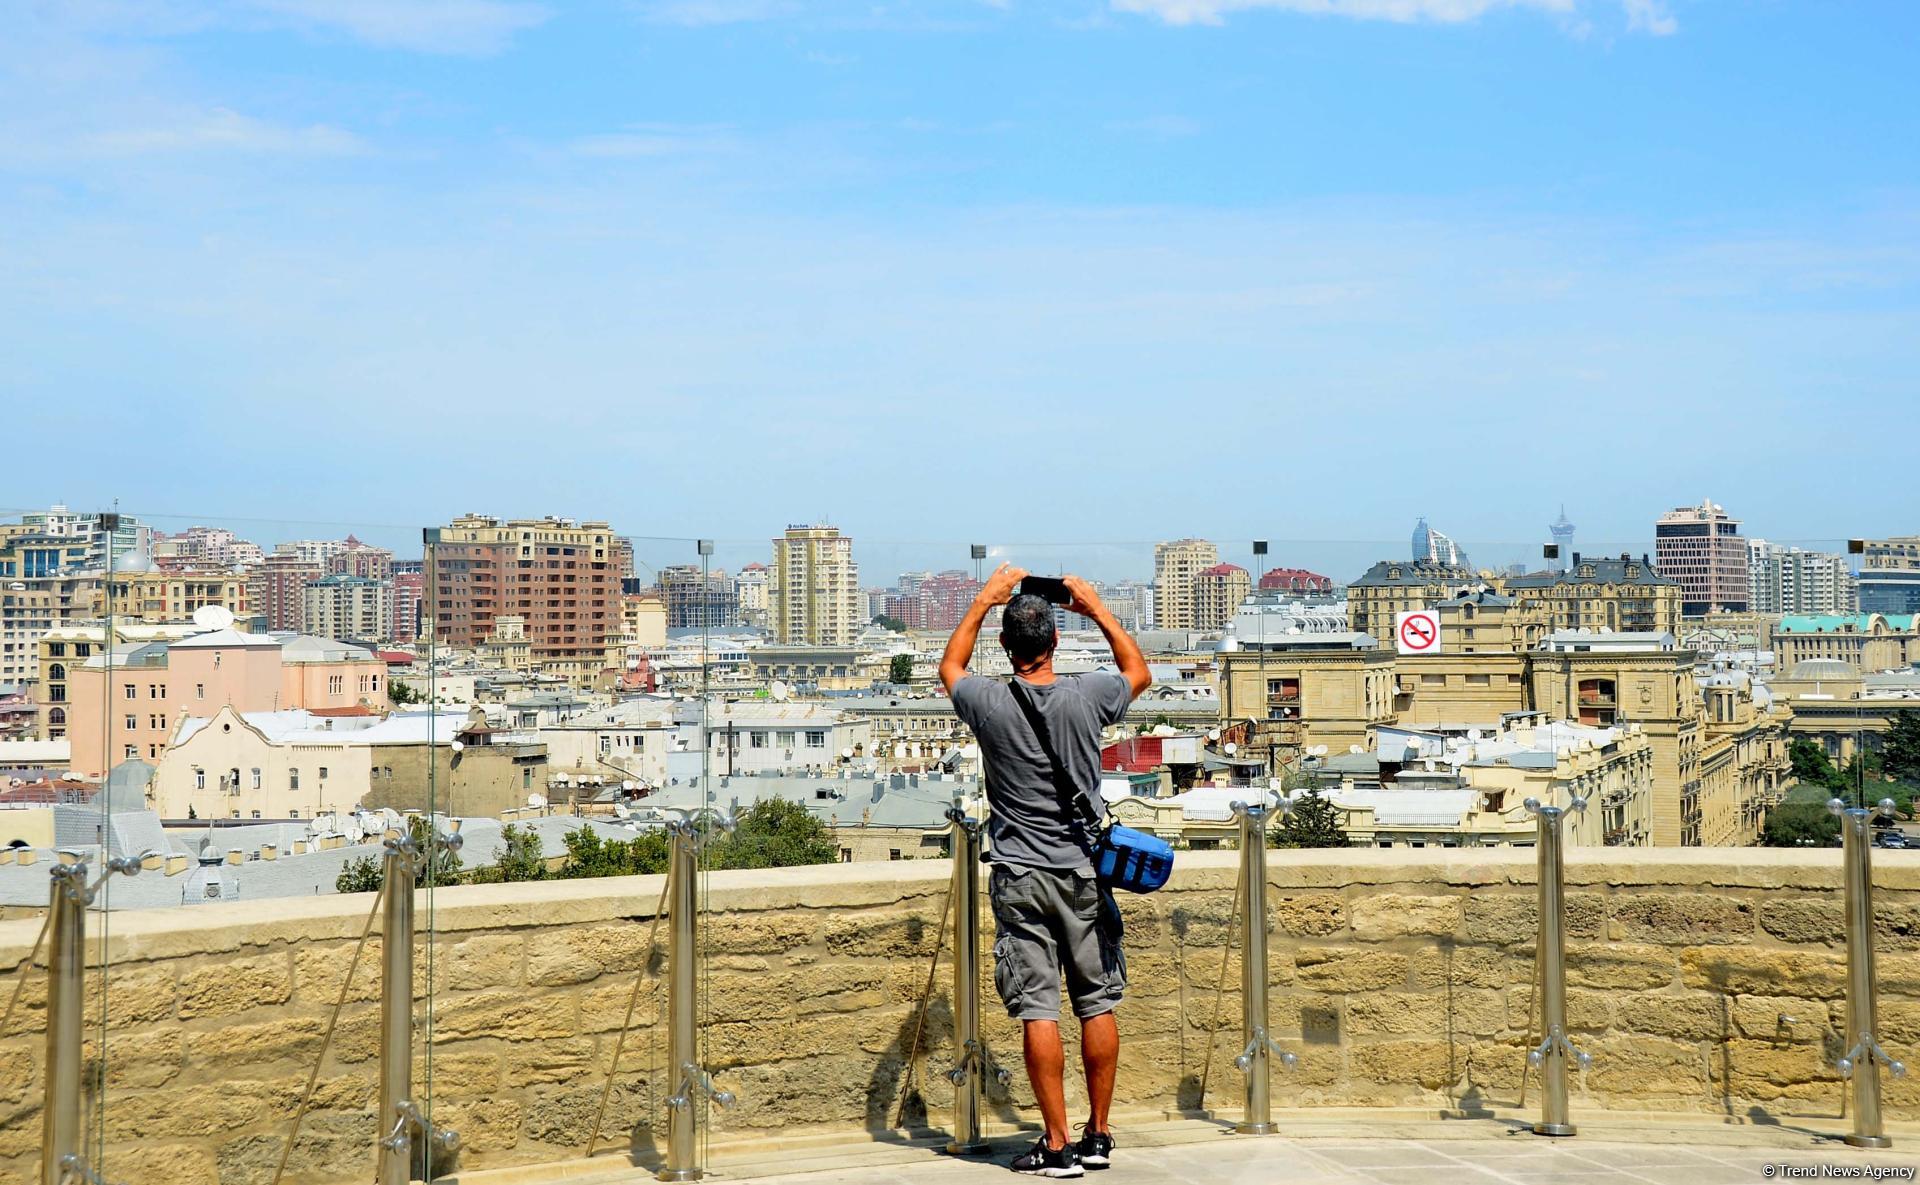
x=1650 y=16
x=221 y=130
x=468 y=27
x=1647 y=16
x=698 y=13
x=650 y=140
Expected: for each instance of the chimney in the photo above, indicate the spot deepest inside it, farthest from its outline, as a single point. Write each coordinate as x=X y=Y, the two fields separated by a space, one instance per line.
x=236 y=856
x=269 y=851
x=177 y=864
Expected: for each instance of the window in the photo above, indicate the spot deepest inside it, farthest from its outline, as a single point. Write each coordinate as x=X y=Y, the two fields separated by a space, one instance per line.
x=158 y=722
x=57 y=694
x=293 y=814
x=133 y=722
x=56 y=671
x=56 y=649
x=256 y=777
x=1477 y=680
x=199 y=778
x=757 y=740
x=526 y=778
x=893 y=853
x=57 y=717
x=132 y=691
x=784 y=739
x=816 y=738
x=323 y=773
x=846 y=855
x=132 y=751
x=293 y=779
x=199 y=691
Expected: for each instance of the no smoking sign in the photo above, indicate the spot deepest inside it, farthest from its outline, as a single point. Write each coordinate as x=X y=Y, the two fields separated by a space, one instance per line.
x=1417 y=632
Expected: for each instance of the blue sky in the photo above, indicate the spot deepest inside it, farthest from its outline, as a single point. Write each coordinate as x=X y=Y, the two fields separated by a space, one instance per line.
x=1099 y=271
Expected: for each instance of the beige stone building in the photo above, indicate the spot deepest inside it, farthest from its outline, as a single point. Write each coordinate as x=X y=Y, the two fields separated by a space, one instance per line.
x=1392 y=587
x=1864 y=641
x=158 y=596
x=1176 y=567
x=1617 y=593
x=814 y=588
x=1218 y=593
x=67 y=646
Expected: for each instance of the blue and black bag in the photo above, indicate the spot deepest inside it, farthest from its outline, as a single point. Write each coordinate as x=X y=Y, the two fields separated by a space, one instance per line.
x=1123 y=858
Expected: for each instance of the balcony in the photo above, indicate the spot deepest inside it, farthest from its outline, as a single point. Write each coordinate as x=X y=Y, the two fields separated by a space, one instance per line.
x=1401 y=978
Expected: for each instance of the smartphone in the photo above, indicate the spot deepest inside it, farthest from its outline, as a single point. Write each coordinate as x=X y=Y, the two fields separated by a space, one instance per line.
x=1053 y=590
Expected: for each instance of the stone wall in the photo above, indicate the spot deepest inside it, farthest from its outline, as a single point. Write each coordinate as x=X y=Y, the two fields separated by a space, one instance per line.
x=1705 y=982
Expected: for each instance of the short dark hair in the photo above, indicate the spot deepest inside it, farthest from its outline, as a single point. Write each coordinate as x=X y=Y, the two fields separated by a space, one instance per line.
x=1026 y=627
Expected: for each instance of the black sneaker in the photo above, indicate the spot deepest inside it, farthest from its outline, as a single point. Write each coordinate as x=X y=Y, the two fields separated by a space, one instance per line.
x=1096 y=1149
x=1042 y=1161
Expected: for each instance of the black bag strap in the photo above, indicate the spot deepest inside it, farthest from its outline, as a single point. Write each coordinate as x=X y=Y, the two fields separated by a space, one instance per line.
x=1077 y=803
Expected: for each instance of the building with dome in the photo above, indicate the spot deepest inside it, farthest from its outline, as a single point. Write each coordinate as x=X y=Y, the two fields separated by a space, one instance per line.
x=1863 y=641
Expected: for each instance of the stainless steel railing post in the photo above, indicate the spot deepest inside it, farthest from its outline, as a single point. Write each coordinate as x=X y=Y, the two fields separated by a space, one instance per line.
x=1551 y=1056
x=1859 y=1065
x=61 y=1134
x=695 y=1084
x=400 y=1115
x=1256 y=1058
x=969 y=1074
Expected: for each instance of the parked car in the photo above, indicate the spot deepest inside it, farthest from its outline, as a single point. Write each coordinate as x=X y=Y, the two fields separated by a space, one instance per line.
x=1890 y=839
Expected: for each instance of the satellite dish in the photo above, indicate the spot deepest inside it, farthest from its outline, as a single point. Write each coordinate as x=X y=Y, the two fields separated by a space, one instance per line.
x=536 y=801
x=1213 y=734
x=457 y=746
x=779 y=691
x=213 y=617
x=1232 y=748
x=846 y=754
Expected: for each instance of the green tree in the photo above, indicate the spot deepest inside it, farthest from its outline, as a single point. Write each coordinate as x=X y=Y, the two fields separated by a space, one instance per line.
x=401 y=693
x=1314 y=822
x=890 y=623
x=1798 y=825
x=1900 y=747
x=774 y=833
x=363 y=874
x=1812 y=766
x=588 y=855
x=520 y=859
x=902 y=670
x=360 y=875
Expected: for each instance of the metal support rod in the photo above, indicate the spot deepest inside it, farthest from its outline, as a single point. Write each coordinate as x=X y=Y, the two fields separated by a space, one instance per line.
x=1256 y=1058
x=969 y=1074
x=401 y=1118
x=60 y=1134
x=61 y=1155
x=1550 y=1057
x=396 y=1010
x=695 y=1085
x=1860 y=1064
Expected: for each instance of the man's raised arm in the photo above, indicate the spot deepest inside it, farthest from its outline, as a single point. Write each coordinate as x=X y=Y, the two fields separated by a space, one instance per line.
x=997 y=591
x=1126 y=652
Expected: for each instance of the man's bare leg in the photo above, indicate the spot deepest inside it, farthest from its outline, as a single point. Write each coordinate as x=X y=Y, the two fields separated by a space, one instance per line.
x=1046 y=1068
x=1100 y=1054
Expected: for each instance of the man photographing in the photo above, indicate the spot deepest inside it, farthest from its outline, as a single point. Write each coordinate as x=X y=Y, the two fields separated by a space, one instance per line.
x=1051 y=914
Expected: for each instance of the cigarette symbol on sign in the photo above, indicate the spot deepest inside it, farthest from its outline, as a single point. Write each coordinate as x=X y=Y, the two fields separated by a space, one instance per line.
x=1417 y=633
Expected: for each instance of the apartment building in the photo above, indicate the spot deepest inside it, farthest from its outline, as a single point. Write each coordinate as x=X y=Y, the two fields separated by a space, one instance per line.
x=65 y=646
x=1218 y=593
x=409 y=593
x=694 y=600
x=172 y=595
x=1618 y=593
x=277 y=586
x=1794 y=580
x=1700 y=549
x=1391 y=587
x=814 y=588
x=355 y=607
x=561 y=576
x=1176 y=565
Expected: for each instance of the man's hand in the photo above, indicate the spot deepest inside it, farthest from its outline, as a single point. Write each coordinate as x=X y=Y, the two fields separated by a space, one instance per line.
x=1000 y=586
x=1086 y=602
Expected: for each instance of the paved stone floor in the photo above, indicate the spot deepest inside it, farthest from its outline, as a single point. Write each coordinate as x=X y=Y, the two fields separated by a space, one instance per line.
x=1518 y=1160
x=1321 y=1148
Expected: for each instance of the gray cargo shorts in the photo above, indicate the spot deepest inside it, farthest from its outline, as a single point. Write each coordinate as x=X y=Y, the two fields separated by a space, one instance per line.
x=1047 y=922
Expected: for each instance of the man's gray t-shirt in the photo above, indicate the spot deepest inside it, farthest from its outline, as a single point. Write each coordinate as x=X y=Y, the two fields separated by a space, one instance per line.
x=1029 y=825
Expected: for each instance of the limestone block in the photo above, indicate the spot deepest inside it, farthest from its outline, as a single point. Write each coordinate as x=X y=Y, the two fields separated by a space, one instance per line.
x=458 y=1074
x=1310 y=915
x=1745 y=969
x=1619 y=965
x=1763 y=1070
x=884 y=933
x=1508 y=918
x=1682 y=1015
x=483 y=961
x=318 y=971
x=1448 y=965
x=485 y=1125
x=1760 y=1018
x=145 y=1059
x=1337 y=969
x=173 y=1163
x=1804 y=918
x=1431 y=1065
x=762 y=933
x=1588 y=1011
x=603 y=1007
x=235 y=985
x=510 y=1016
x=296 y=1038
x=1646 y=1068
x=1677 y=919
x=569 y=1061
x=1396 y=915
x=136 y=995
